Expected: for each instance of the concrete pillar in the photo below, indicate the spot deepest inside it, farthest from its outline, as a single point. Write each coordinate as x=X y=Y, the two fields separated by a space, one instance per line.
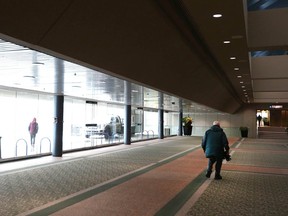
x=127 y=117
x=160 y=117
x=57 y=145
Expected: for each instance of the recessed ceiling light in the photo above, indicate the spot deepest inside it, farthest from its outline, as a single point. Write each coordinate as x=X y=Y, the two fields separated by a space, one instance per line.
x=232 y=57
x=217 y=15
x=239 y=76
x=226 y=42
x=241 y=82
x=236 y=69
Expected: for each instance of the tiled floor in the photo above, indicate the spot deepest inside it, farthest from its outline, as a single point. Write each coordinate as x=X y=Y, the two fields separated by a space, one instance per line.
x=158 y=177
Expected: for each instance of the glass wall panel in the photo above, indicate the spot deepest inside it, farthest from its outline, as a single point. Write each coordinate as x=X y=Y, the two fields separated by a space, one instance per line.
x=46 y=123
x=73 y=126
x=7 y=125
x=89 y=123
x=113 y=123
x=171 y=120
x=17 y=111
x=137 y=121
x=150 y=129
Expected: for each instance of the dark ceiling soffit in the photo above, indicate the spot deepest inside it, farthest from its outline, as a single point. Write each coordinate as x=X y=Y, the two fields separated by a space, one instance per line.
x=178 y=15
x=55 y=21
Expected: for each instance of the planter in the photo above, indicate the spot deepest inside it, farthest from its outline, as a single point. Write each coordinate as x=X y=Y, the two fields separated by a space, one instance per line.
x=244 y=133
x=187 y=130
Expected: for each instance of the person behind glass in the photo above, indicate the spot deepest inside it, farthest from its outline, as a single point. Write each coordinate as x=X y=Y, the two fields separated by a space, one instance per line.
x=214 y=144
x=259 y=118
x=33 y=130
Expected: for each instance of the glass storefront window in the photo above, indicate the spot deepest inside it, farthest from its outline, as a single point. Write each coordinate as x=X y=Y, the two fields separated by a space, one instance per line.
x=150 y=129
x=85 y=123
x=171 y=121
x=17 y=111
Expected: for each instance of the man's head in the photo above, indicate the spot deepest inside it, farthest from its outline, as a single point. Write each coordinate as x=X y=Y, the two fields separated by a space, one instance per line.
x=216 y=123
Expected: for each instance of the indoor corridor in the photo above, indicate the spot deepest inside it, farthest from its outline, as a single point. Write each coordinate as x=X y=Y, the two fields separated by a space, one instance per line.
x=156 y=177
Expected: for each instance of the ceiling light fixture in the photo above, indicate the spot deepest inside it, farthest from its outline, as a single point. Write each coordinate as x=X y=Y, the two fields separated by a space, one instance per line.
x=239 y=76
x=236 y=69
x=217 y=15
x=232 y=58
x=226 y=42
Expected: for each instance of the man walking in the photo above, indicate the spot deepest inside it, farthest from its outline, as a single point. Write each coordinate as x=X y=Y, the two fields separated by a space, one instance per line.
x=214 y=143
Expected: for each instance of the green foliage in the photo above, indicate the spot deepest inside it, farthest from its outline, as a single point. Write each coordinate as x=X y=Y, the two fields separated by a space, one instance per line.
x=187 y=121
x=243 y=128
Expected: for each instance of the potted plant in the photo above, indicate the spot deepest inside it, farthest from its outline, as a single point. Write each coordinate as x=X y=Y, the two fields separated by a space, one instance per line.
x=187 y=125
x=265 y=121
x=244 y=131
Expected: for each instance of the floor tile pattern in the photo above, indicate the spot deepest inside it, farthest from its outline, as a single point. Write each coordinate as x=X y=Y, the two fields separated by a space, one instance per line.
x=27 y=189
x=256 y=158
x=256 y=185
x=241 y=193
x=265 y=146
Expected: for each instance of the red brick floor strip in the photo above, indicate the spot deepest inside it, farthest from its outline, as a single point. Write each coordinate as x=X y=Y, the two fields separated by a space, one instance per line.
x=145 y=194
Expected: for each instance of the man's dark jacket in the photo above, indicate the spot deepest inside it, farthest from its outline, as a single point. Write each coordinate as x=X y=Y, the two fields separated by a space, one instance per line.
x=215 y=142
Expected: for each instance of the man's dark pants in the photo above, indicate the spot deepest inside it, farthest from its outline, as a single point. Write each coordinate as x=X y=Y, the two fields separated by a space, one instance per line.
x=218 y=165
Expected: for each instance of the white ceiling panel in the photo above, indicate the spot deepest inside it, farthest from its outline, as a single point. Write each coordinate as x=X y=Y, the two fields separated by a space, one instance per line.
x=271 y=85
x=270 y=67
x=266 y=95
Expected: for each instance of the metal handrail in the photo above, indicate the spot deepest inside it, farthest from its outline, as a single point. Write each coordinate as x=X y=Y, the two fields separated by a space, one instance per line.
x=152 y=132
x=17 y=146
x=41 y=144
x=148 y=132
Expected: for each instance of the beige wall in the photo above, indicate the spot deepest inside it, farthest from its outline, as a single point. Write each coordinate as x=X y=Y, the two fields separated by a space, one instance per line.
x=229 y=122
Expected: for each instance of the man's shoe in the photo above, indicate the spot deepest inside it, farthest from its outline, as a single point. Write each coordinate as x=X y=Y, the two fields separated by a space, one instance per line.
x=208 y=174
x=218 y=177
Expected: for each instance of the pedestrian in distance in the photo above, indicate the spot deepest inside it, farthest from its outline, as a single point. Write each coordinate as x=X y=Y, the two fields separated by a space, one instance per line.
x=216 y=147
x=33 y=130
x=259 y=118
